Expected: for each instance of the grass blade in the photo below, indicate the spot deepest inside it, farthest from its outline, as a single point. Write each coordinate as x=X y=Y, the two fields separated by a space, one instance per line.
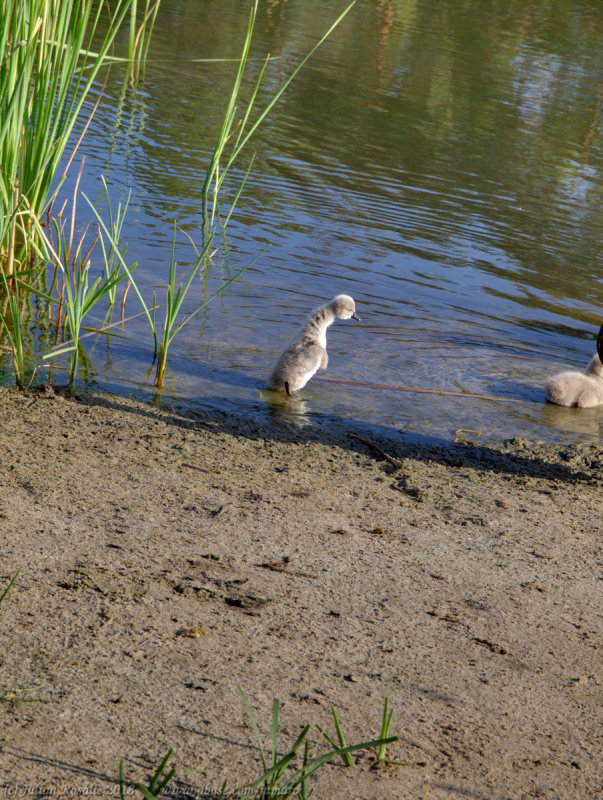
x=346 y=757
x=307 y=770
x=159 y=781
x=254 y=727
x=385 y=725
x=275 y=710
x=122 y=783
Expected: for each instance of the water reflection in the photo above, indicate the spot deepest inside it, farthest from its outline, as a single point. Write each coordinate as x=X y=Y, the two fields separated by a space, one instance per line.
x=440 y=161
x=572 y=420
x=292 y=410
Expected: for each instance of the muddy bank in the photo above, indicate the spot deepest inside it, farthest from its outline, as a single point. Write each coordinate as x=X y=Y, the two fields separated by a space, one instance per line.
x=167 y=558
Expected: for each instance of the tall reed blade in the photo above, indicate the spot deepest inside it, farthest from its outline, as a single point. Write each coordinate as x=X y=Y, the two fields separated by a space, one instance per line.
x=80 y=291
x=139 y=37
x=47 y=70
x=118 y=253
x=11 y=323
x=176 y=293
x=216 y=174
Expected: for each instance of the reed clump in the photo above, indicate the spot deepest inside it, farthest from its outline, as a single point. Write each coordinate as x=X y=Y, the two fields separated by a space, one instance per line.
x=80 y=288
x=48 y=68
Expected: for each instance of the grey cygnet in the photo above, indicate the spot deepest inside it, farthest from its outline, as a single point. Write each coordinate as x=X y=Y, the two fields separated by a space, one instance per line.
x=307 y=353
x=583 y=390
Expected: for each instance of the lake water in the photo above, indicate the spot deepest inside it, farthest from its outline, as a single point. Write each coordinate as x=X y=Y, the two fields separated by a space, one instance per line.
x=439 y=160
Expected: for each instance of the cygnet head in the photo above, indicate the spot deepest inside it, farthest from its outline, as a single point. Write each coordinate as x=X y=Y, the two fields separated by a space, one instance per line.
x=343 y=307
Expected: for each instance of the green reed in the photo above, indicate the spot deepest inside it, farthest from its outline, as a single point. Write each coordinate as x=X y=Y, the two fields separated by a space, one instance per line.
x=346 y=758
x=139 y=38
x=275 y=782
x=117 y=255
x=177 y=290
x=244 y=127
x=140 y=35
x=215 y=175
x=47 y=70
x=10 y=303
x=386 y=722
x=10 y=320
x=78 y=292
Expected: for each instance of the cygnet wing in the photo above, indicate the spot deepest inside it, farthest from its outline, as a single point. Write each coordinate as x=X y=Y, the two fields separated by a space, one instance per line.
x=302 y=356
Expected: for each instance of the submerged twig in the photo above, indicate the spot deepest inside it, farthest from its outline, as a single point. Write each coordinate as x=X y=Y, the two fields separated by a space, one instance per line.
x=104 y=330
x=416 y=389
x=425 y=391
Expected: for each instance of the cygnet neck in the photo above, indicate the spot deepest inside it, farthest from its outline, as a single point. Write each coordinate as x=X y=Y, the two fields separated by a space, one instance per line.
x=595 y=368
x=320 y=321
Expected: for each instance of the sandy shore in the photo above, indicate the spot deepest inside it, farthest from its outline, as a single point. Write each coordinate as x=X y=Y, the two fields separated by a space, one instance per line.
x=167 y=557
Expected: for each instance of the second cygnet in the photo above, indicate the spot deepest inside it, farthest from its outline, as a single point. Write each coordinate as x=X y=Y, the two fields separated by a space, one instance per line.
x=583 y=390
x=307 y=353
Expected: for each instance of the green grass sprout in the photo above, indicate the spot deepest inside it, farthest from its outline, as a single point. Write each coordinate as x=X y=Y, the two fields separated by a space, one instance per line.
x=280 y=777
x=346 y=757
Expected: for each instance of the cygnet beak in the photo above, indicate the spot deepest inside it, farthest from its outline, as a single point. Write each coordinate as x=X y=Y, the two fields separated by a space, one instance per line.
x=356 y=317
